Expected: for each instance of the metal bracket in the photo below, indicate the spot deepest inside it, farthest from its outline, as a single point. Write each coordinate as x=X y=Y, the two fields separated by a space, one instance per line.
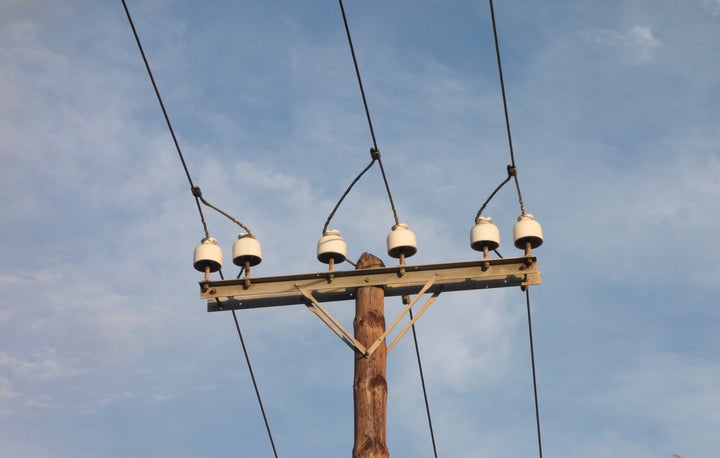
x=389 y=329
x=340 y=285
x=412 y=322
x=327 y=318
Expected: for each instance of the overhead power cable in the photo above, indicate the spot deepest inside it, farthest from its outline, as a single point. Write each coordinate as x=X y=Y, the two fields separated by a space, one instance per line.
x=376 y=150
x=507 y=116
x=254 y=382
x=512 y=172
x=347 y=191
x=167 y=118
x=197 y=194
x=422 y=382
x=532 y=359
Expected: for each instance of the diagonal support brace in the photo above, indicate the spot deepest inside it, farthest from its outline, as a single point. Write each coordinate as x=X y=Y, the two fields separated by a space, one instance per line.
x=412 y=322
x=334 y=325
x=377 y=343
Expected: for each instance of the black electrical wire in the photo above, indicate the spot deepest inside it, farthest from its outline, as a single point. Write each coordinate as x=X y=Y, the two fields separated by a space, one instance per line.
x=347 y=191
x=250 y=369
x=376 y=151
x=198 y=197
x=507 y=116
x=257 y=391
x=532 y=359
x=511 y=172
x=422 y=382
x=198 y=193
x=167 y=118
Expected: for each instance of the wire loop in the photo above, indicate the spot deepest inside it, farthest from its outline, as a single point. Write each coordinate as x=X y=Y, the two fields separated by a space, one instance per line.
x=367 y=114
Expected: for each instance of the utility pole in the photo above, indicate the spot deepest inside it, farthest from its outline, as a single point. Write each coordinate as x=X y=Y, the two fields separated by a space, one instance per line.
x=368 y=285
x=370 y=385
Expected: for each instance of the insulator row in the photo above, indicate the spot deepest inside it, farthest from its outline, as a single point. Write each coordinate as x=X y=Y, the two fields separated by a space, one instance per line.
x=401 y=243
x=485 y=235
x=246 y=250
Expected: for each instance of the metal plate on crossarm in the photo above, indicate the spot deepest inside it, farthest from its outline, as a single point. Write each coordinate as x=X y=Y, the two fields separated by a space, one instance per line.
x=396 y=281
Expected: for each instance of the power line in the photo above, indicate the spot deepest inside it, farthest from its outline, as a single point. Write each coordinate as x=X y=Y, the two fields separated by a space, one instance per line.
x=512 y=172
x=532 y=359
x=347 y=191
x=422 y=382
x=257 y=391
x=376 y=151
x=507 y=116
x=167 y=118
x=197 y=194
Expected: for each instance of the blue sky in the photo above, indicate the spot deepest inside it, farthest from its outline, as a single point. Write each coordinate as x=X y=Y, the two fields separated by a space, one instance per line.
x=106 y=348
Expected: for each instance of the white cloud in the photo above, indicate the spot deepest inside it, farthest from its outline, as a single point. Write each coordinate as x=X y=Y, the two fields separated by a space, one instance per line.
x=638 y=42
x=6 y=390
x=11 y=280
x=36 y=279
x=43 y=369
x=642 y=41
x=470 y=345
x=713 y=6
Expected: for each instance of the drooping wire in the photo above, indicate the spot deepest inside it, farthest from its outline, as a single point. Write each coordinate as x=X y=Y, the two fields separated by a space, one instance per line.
x=165 y=114
x=505 y=107
x=367 y=113
x=347 y=191
x=376 y=156
x=511 y=173
x=257 y=391
x=198 y=198
x=250 y=370
x=512 y=167
x=422 y=382
x=532 y=359
x=198 y=194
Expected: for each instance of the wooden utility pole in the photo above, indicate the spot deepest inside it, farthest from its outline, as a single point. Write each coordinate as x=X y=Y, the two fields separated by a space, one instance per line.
x=370 y=385
x=368 y=285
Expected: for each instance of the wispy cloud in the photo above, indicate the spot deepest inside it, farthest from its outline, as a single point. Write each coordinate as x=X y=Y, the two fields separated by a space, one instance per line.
x=6 y=389
x=713 y=6
x=638 y=42
x=41 y=369
x=30 y=278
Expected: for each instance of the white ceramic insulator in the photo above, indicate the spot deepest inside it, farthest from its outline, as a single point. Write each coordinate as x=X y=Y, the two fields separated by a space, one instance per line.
x=208 y=254
x=246 y=249
x=484 y=234
x=401 y=241
x=527 y=230
x=331 y=246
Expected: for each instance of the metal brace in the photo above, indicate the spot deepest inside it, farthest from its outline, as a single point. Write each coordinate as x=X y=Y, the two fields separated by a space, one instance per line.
x=334 y=325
